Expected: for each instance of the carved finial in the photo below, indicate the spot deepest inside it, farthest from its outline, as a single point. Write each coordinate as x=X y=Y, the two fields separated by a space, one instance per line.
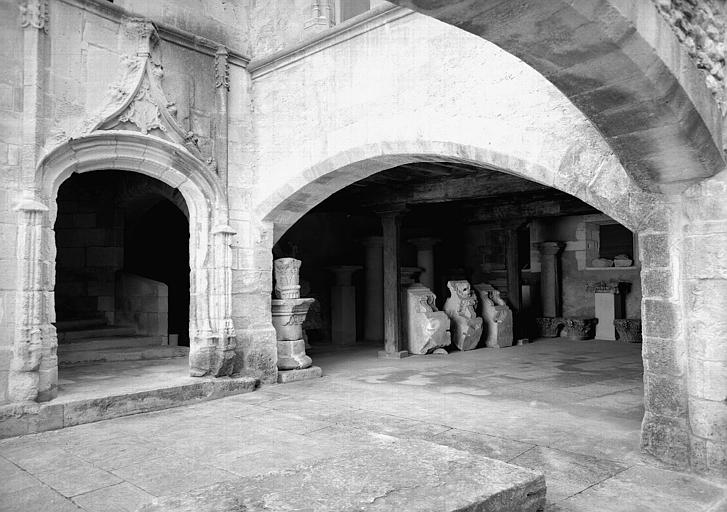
x=222 y=68
x=143 y=33
x=34 y=13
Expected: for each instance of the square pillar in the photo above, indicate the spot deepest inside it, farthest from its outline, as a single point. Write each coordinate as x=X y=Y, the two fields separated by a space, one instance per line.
x=343 y=305
x=391 y=225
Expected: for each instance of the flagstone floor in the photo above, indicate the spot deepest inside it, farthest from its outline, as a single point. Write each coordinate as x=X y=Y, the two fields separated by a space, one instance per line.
x=571 y=410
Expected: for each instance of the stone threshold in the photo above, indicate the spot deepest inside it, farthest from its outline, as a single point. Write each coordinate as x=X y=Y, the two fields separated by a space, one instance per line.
x=30 y=417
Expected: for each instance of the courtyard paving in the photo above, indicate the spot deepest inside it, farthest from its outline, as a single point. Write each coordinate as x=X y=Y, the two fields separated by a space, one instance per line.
x=571 y=410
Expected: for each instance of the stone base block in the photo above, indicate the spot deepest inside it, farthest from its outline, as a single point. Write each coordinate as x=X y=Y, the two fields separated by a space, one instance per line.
x=314 y=372
x=447 y=480
x=400 y=354
x=291 y=355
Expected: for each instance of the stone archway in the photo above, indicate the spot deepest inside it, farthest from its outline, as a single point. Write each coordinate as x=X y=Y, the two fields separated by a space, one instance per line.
x=33 y=373
x=591 y=173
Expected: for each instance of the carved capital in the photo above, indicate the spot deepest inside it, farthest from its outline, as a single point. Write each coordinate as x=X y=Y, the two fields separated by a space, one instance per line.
x=222 y=68
x=34 y=14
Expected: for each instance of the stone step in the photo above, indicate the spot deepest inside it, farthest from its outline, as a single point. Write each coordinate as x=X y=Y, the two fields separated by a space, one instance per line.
x=124 y=354
x=80 y=324
x=100 y=332
x=28 y=417
x=110 y=342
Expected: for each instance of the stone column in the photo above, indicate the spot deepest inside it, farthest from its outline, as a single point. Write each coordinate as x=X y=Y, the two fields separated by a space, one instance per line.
x=550 y=278
x=425 y=258
x=391 y=224
x=343 y=305
x=374 y=307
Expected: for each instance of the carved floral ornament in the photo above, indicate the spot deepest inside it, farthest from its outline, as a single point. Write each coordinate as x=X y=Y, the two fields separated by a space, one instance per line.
x=137 y=99
x=34 y=13
x=222 y=68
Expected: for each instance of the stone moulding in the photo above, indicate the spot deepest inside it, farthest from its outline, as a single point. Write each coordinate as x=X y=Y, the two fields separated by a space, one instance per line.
x=174 y=35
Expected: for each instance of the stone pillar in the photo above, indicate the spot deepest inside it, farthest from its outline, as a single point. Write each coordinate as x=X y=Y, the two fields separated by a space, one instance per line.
x=343 y=305
x=550 y=278
x=704 y=295
x=374 y=307
x=391 y=224
x=610 y=304
x=425 y=258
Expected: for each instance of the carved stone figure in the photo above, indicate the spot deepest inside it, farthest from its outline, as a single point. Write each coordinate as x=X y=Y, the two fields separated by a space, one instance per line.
x=466 y=326
x=496 y=315
x=427 y=327
x=289 y=312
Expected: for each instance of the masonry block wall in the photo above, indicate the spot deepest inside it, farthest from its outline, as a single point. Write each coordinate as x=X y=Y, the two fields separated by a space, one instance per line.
x=89 y=233
x=11 y=130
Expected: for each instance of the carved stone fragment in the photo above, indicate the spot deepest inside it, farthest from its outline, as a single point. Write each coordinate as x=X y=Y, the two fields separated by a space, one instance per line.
x=288 y=313
x=496 y=315
x=628 y=330
x=466 y=326
x=427 y=327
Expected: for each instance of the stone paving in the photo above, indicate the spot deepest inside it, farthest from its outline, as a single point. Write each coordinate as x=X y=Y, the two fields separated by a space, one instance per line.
x=571 y=410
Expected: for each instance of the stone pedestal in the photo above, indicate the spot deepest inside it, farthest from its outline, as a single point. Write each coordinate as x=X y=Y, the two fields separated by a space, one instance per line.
x=343 y=305
x=288 y=314
x=496 y=315
x=550 y=292
x=628 y=330
x=465 y=326
x=610 y=302
x=425 y=258
x=427 y=328
x=374 y=277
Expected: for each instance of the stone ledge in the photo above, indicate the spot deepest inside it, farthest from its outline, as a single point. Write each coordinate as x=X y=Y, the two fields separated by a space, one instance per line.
x=285 y=376
x=401 y=475
x=31 y=417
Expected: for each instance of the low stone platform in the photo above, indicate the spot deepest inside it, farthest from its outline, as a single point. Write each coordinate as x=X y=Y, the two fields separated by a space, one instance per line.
x=403 y=475
x=102 y=391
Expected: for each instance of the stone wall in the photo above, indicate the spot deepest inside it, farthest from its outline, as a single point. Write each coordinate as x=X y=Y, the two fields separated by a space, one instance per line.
x=86 y=52
x=89 y=233
x=11 y=106
x=700 y=26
